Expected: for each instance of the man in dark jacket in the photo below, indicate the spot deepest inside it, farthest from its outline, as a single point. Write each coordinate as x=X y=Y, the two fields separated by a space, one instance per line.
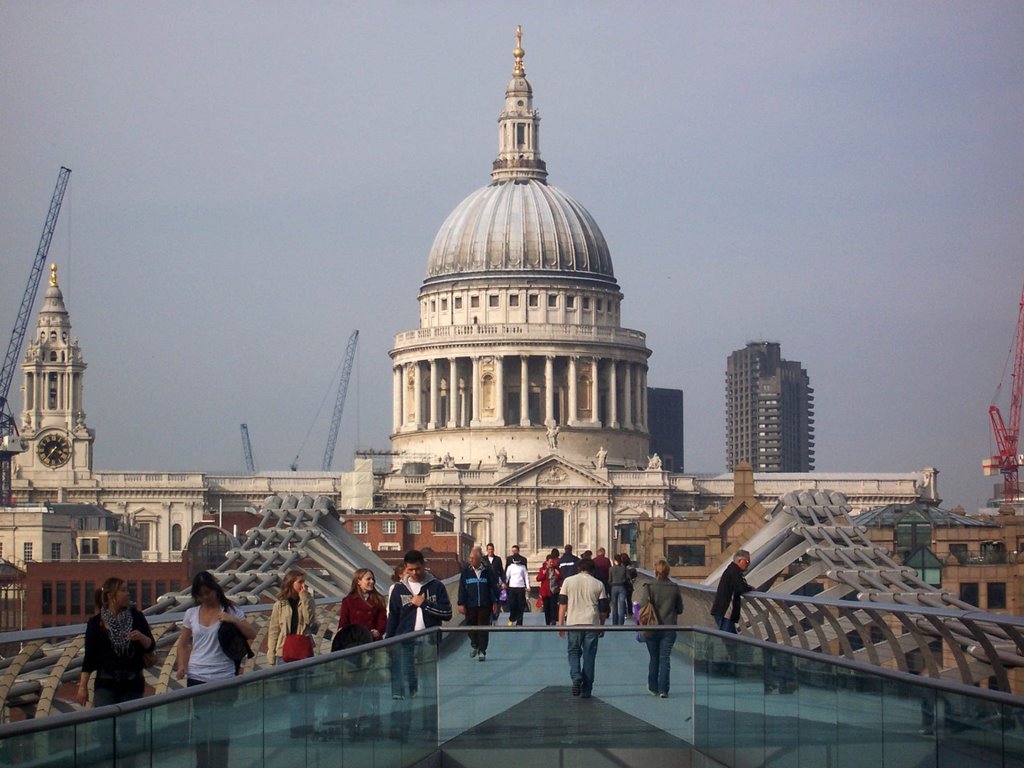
x=493 y=561
x=478 y=600
x=731 y=586
x=418 y=601
x=569 y=564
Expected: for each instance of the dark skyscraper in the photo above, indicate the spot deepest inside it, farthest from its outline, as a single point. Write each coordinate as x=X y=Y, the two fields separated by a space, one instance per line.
x=665 y=424
x=769 y=411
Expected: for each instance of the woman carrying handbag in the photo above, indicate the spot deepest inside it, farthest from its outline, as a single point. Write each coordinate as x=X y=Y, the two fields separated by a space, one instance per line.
x=292 y=621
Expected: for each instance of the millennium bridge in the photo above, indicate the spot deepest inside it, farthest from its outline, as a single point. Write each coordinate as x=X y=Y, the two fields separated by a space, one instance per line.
x=880 y=669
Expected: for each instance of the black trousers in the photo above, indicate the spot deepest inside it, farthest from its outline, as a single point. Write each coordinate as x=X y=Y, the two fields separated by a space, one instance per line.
x=551 y=610
x=478 y=617
x=516 y=605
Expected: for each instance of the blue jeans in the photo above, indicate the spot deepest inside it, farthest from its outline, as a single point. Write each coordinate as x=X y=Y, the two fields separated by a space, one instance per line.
x=620 y=604
x=403 y=669
x=725 y=625
x=582 y=655
x=660 y=649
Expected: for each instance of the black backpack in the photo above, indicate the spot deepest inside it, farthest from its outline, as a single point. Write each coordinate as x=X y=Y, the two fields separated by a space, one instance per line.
x=234 y=644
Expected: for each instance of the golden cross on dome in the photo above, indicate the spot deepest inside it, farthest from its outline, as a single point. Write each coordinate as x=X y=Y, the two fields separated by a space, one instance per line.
x=53 y=274
x=518 y=70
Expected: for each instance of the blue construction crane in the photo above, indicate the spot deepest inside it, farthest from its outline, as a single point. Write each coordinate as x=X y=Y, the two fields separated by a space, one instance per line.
x=10 y=443
x=339 y=403
x=250 y=462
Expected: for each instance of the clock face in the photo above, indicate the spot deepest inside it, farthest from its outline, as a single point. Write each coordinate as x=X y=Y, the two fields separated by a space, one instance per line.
x=54 y=450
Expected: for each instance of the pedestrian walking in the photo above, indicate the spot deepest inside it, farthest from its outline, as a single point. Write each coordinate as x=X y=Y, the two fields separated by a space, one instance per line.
x=668 y=604
x=583 y=601
x=292 y=621
x=568 y=564
x=363 y=607
x=549 y=578
x=602 y=565
x=618 y=581
x=497 y=567
x=117 y=640
x=478 y=600
x=517 y=578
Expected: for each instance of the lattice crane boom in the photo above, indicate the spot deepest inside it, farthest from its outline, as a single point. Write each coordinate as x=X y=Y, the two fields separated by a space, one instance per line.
x=339 y=403
x=1007 y=460
x=247 y=457
x=9 y=444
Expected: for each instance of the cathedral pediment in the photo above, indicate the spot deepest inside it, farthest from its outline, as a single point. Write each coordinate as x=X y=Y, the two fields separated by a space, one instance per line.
x=553 y=472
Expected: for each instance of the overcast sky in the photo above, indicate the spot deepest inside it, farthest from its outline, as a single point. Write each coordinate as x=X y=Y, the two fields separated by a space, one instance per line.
x=252 y=181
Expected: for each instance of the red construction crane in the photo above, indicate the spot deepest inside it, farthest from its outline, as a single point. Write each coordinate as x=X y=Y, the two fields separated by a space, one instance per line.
x=1007 y=460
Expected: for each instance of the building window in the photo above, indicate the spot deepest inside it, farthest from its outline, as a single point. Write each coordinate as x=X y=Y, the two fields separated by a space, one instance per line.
x=62 y=598
x=969 y=592
x=444 y=304
x=996 y=595
x=444 y=525
x=1 y=549
x=570 y=302
x=113 y=548
x=90 y=594
x=458 y=302
x=389 y=526
x=552 y=300
x=47 y=598
x=147 y=594
x=492 y=300
x=533 y=300
x=414 y=526
x=685 y=554
x=55 y=552
x=513 y=300
x=600 y=305
x=76 y=598
x=586 y=302
x=552 y=528
x=474 y=302
x=433 y=305
x=959 y=551
x=175 y=538
x=27 y=552
x=360 y=526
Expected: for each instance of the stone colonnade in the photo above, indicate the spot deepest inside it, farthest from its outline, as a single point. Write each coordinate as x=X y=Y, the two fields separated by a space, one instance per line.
x=525 y=390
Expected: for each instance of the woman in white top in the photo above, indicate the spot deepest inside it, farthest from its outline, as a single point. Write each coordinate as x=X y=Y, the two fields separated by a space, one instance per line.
x=200 y=657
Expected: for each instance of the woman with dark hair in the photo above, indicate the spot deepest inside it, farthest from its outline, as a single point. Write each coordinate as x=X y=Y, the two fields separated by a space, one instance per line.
x=550 y=579
x=200 y=656
x=293 y=616
x=116 y=639
x=363 y=606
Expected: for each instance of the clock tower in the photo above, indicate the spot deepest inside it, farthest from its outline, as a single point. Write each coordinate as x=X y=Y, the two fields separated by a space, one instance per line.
x=52 y=420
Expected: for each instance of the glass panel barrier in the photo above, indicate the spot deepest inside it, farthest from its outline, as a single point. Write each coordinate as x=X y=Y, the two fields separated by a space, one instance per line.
x=730 y=701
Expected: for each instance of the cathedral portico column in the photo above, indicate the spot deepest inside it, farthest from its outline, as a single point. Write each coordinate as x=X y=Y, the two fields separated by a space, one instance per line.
x=613 y=396
x=435 y=396
x=524 y=391
x=418 y=393
x=396 y=398
x=499 y=389
x=453 y=393
x=595 y=392
x=549 y=390
x=628 y=396
x=476 y=392
x=573 y=401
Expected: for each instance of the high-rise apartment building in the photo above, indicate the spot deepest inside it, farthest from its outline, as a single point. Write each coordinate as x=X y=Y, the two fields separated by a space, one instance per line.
x=769 y=407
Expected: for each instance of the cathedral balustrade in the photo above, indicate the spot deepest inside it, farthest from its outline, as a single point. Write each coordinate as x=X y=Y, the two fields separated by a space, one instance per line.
x=524 y=332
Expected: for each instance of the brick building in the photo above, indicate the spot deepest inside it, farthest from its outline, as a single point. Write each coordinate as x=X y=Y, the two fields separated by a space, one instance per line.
x=390 y=533
x=59 y=593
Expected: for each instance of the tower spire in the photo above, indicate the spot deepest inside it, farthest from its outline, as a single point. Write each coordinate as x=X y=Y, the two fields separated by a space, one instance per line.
x=53 y=274
x=519 y=127
x=519 y=70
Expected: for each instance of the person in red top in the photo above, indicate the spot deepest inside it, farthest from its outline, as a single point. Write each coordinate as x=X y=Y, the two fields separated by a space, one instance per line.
x=549 y=578
x=363 y=605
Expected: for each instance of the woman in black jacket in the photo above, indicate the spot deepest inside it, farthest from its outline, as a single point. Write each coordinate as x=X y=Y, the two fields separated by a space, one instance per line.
x=115 y=640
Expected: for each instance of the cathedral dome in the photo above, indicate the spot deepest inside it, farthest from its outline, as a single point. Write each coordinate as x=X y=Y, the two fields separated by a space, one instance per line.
x=520 y=226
